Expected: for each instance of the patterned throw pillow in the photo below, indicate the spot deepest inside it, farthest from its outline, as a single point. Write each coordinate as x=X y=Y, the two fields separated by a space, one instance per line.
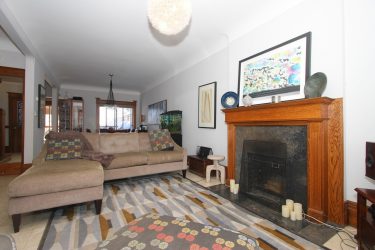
x=64 y=149
x=161 y=140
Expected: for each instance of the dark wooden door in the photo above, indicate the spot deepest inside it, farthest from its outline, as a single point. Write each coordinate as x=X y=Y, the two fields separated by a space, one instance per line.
x=15 y=111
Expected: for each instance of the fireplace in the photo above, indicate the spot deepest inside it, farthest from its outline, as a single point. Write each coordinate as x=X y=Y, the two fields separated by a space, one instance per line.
x=272 y=165
x=322 y=120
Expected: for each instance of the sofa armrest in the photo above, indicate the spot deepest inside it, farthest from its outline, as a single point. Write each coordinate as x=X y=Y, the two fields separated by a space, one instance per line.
x=41 y=157
x=179 y=148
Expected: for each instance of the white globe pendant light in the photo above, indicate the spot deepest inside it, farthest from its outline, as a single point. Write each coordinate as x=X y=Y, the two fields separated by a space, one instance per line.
x=169 y=17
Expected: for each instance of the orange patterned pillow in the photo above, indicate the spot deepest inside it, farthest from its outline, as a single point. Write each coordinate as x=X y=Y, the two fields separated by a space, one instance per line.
x=161 y=140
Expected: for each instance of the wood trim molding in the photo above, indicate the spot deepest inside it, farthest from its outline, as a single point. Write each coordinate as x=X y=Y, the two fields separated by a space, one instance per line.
x=26 y=167
x=13 y=168
x=16 y=72
x=323 y=118
x=335 y=162
x=351 y=213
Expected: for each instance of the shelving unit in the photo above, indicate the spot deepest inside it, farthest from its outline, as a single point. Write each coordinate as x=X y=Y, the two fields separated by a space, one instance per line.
x=365 y=221
x=70 y=115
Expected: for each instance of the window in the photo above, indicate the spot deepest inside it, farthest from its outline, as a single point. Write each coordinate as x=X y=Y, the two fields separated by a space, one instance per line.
x=118 y=118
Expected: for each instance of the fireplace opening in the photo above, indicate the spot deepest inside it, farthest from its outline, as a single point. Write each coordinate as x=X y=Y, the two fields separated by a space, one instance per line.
x=263 y=173
x=273 y=164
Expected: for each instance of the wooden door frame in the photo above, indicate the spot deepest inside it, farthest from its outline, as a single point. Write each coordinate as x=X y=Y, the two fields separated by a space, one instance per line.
x=16 y=72
x=11 y=96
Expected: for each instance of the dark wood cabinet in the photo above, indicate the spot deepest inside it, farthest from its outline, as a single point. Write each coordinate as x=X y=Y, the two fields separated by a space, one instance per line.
x=198 y=165
x=365 y=222
x=70 y=115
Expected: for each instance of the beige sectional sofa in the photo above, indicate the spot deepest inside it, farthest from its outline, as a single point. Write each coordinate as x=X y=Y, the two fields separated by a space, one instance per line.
x=54 y=183
x=134 y=155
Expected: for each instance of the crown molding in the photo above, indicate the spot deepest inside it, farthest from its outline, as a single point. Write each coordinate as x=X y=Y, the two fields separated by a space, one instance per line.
x=97 y=89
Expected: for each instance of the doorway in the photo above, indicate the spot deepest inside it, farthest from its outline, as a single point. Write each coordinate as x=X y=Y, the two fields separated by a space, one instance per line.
x=15 y=117
x=12 y=123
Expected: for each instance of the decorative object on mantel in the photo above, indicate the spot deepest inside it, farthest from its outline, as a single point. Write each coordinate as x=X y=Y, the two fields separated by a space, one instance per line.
x=315 y=85
x=110 y=98
x=229 y=100
x=169 y=17
x=207 y=105
x=283 y=68
x=247 y=100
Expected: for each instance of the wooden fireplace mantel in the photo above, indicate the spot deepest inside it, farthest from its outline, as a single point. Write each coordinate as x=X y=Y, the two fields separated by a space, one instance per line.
x=324 y=121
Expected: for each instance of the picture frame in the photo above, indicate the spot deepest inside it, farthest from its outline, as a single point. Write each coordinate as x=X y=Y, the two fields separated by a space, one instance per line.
x=207 y=105
x=281 y=69
x=41 y=105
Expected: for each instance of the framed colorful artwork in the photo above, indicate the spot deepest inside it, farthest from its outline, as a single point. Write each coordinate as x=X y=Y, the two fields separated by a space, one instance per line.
x=207 y=105
x=281 y=69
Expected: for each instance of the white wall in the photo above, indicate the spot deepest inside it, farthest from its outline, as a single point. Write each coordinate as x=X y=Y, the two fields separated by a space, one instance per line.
x=89 y=96
x=322 y=18
x=359 y=92
x=12 y=59
x=33 y=137
x=181 y=93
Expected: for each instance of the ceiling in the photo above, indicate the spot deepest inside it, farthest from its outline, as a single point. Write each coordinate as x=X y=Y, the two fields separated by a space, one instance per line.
x=83 y=41
x=5 y=43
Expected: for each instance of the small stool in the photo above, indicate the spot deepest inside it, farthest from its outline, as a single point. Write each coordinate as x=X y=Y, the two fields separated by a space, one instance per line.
x=217 y=167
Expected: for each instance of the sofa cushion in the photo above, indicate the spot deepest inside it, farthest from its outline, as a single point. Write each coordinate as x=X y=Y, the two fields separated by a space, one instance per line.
x=93 y=139
x=57 y=176
x=63 y=149
x=156 y=157
x=128 y=159
x=119 y=143
x=144 y=142
x=160 y=139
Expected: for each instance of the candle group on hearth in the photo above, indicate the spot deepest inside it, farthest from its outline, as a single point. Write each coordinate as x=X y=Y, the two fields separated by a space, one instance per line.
x=233 y=186
x=292 y=210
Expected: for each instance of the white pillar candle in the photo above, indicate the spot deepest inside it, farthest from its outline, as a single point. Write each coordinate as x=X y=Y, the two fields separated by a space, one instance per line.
x=235 y=189
x=289 y=204
x=298 y=210
x=285 y=211
x=231 y=182
x=293 y=216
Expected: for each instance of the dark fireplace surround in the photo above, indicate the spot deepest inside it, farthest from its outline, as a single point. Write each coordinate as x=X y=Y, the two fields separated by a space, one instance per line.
x=322 y=118
x=272 y=164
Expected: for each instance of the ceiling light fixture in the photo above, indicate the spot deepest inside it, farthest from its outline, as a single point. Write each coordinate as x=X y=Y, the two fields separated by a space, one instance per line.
x=169 y=17
x=110 y=99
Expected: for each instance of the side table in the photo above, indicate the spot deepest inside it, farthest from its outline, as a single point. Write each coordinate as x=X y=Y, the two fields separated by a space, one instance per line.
x=365 y=221
x=198 y=165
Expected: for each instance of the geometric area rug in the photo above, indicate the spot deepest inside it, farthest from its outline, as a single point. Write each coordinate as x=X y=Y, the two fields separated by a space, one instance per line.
x=78 y=227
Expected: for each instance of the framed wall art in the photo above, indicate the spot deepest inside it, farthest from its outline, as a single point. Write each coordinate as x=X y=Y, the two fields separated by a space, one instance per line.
x=153 y=114
x=207 y=105
x=41 y=105
x=281 y=69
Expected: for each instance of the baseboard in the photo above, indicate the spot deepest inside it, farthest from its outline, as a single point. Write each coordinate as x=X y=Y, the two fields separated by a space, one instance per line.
x=25 y=167
x=351 y=213
x=10 y=168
